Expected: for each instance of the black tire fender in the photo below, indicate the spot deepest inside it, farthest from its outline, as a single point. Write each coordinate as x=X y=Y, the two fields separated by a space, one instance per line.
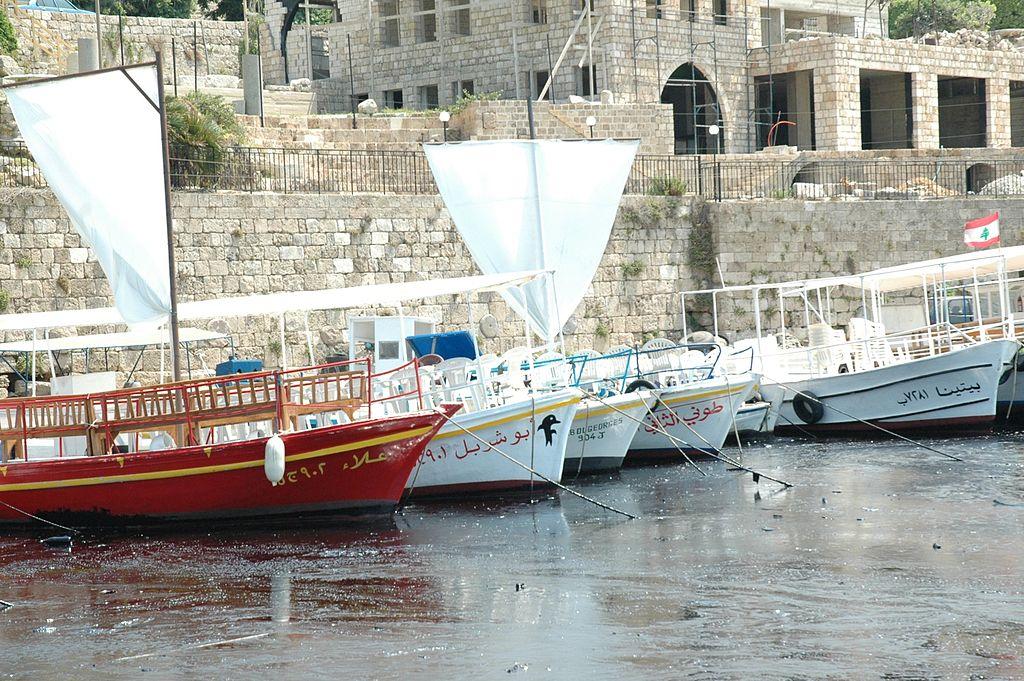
x=639 y=384
x=808 y=407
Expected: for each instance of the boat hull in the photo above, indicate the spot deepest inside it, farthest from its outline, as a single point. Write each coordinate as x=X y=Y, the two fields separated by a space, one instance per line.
x=951 y=390
x=698 y=414
x=355 y=467
x=601 y=436
x=455 y=462
x=756 y=418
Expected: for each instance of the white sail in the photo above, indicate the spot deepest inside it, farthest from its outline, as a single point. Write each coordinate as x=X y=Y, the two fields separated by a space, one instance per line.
x=535 y=204
x=96 y=138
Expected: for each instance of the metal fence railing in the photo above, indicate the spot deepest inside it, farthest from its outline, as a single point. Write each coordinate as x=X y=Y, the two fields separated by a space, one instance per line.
x=251 y=169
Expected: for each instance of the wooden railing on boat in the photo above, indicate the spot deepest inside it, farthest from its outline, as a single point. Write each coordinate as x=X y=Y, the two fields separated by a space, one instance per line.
x=186 y=408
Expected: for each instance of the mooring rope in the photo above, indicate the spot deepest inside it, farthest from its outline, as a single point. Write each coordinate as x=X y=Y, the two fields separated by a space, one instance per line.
x=532 y=471
x=719 y=456
x=868 y=423
x=42 y=520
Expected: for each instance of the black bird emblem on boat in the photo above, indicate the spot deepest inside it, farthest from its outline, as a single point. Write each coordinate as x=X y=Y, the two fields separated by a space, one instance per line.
x=548 y=426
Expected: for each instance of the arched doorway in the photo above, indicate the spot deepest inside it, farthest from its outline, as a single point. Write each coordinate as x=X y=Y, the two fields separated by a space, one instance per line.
x=694 y=110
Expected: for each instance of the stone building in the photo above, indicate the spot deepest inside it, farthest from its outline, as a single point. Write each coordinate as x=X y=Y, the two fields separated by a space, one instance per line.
x=824 y=69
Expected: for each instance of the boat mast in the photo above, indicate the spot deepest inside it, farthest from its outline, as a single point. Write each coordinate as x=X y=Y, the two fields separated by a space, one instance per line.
x=175 y=348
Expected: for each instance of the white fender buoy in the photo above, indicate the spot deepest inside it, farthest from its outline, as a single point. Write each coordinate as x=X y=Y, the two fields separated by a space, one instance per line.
x=273 y=459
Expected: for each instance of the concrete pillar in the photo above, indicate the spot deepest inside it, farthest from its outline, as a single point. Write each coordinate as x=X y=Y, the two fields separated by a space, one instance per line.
x=251 y=84
x=997 y=113
x=924 y=97
x=71 y=63
x=802 y=105
x=87 y=57
x=837 y=107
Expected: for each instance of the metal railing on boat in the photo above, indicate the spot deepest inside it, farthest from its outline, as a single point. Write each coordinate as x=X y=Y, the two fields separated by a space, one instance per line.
x=188 y=408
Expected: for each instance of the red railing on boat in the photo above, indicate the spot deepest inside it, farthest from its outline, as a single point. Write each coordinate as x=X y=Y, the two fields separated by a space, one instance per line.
x=186 y=408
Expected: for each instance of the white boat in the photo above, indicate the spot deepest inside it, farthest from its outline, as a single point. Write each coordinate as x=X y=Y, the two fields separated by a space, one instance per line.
x=699 y=414
x=953 y=389
x=756 y=418
x=533 y=430
x=937 y=373
x=603 y=430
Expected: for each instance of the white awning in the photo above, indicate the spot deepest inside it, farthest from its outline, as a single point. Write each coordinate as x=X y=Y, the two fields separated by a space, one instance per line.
x=276 y=304
x=99 y=341
x=371 y=295
x=961 y=267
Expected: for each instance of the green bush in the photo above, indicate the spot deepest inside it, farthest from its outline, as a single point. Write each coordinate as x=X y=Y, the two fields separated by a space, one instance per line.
x=910 y=17
x=666 y=186
x=8 y=41
x=466 y=99
x=207 y=125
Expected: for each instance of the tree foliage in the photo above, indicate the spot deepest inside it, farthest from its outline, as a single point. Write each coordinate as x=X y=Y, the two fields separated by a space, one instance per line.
x=8 y=41
x=1009 y=14
x=914 y=17
x=225 y=10
x=176 y=9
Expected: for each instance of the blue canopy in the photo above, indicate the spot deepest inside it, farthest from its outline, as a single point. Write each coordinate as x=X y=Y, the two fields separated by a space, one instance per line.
x=447 y=345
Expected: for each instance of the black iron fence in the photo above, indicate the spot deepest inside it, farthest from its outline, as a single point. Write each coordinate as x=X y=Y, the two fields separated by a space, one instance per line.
x=714 y=178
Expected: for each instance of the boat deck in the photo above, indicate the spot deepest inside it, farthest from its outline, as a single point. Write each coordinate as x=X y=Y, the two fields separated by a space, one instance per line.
x=187 y=408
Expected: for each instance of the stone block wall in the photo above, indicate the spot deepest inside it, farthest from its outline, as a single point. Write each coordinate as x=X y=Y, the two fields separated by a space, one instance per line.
x=509 y=119
x=238 y=244
x=57 y=35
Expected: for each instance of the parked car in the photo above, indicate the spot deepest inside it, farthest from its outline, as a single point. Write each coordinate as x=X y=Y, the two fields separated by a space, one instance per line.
x=62 y=6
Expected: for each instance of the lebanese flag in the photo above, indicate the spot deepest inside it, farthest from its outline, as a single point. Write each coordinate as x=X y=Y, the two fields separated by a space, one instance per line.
x=982 y=232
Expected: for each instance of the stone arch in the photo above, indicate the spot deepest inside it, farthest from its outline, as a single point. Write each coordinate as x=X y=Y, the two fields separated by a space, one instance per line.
x=978 y=176
x=696 y=106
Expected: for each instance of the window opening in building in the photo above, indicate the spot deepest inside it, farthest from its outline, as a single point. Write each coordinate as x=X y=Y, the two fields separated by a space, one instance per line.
x=390 y=28
x=539 y=11
x=1017 y=113
x=320 y=48
x=961 y=112
x=721 y=12
x=426 y=21
x=393 y=99
x=782 y=99
x=539 y=80
x=694 y=111
x=654 y=10
x=459 y=17
x=428 y=97
x=886 y=120
x=583 y=79
x=462 y=88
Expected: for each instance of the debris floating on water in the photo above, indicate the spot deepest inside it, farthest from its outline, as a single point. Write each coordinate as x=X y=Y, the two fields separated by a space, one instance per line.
x=62 y=541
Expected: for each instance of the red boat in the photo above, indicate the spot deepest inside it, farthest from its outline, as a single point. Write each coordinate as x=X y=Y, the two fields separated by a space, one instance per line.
x=359 y=465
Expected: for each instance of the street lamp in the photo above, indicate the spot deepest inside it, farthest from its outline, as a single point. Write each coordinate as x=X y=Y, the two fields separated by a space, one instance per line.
x=591 y=122
x=713 y=131
x=445 y=116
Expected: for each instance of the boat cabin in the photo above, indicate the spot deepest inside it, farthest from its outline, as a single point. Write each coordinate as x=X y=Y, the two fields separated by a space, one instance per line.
x=384 y=338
